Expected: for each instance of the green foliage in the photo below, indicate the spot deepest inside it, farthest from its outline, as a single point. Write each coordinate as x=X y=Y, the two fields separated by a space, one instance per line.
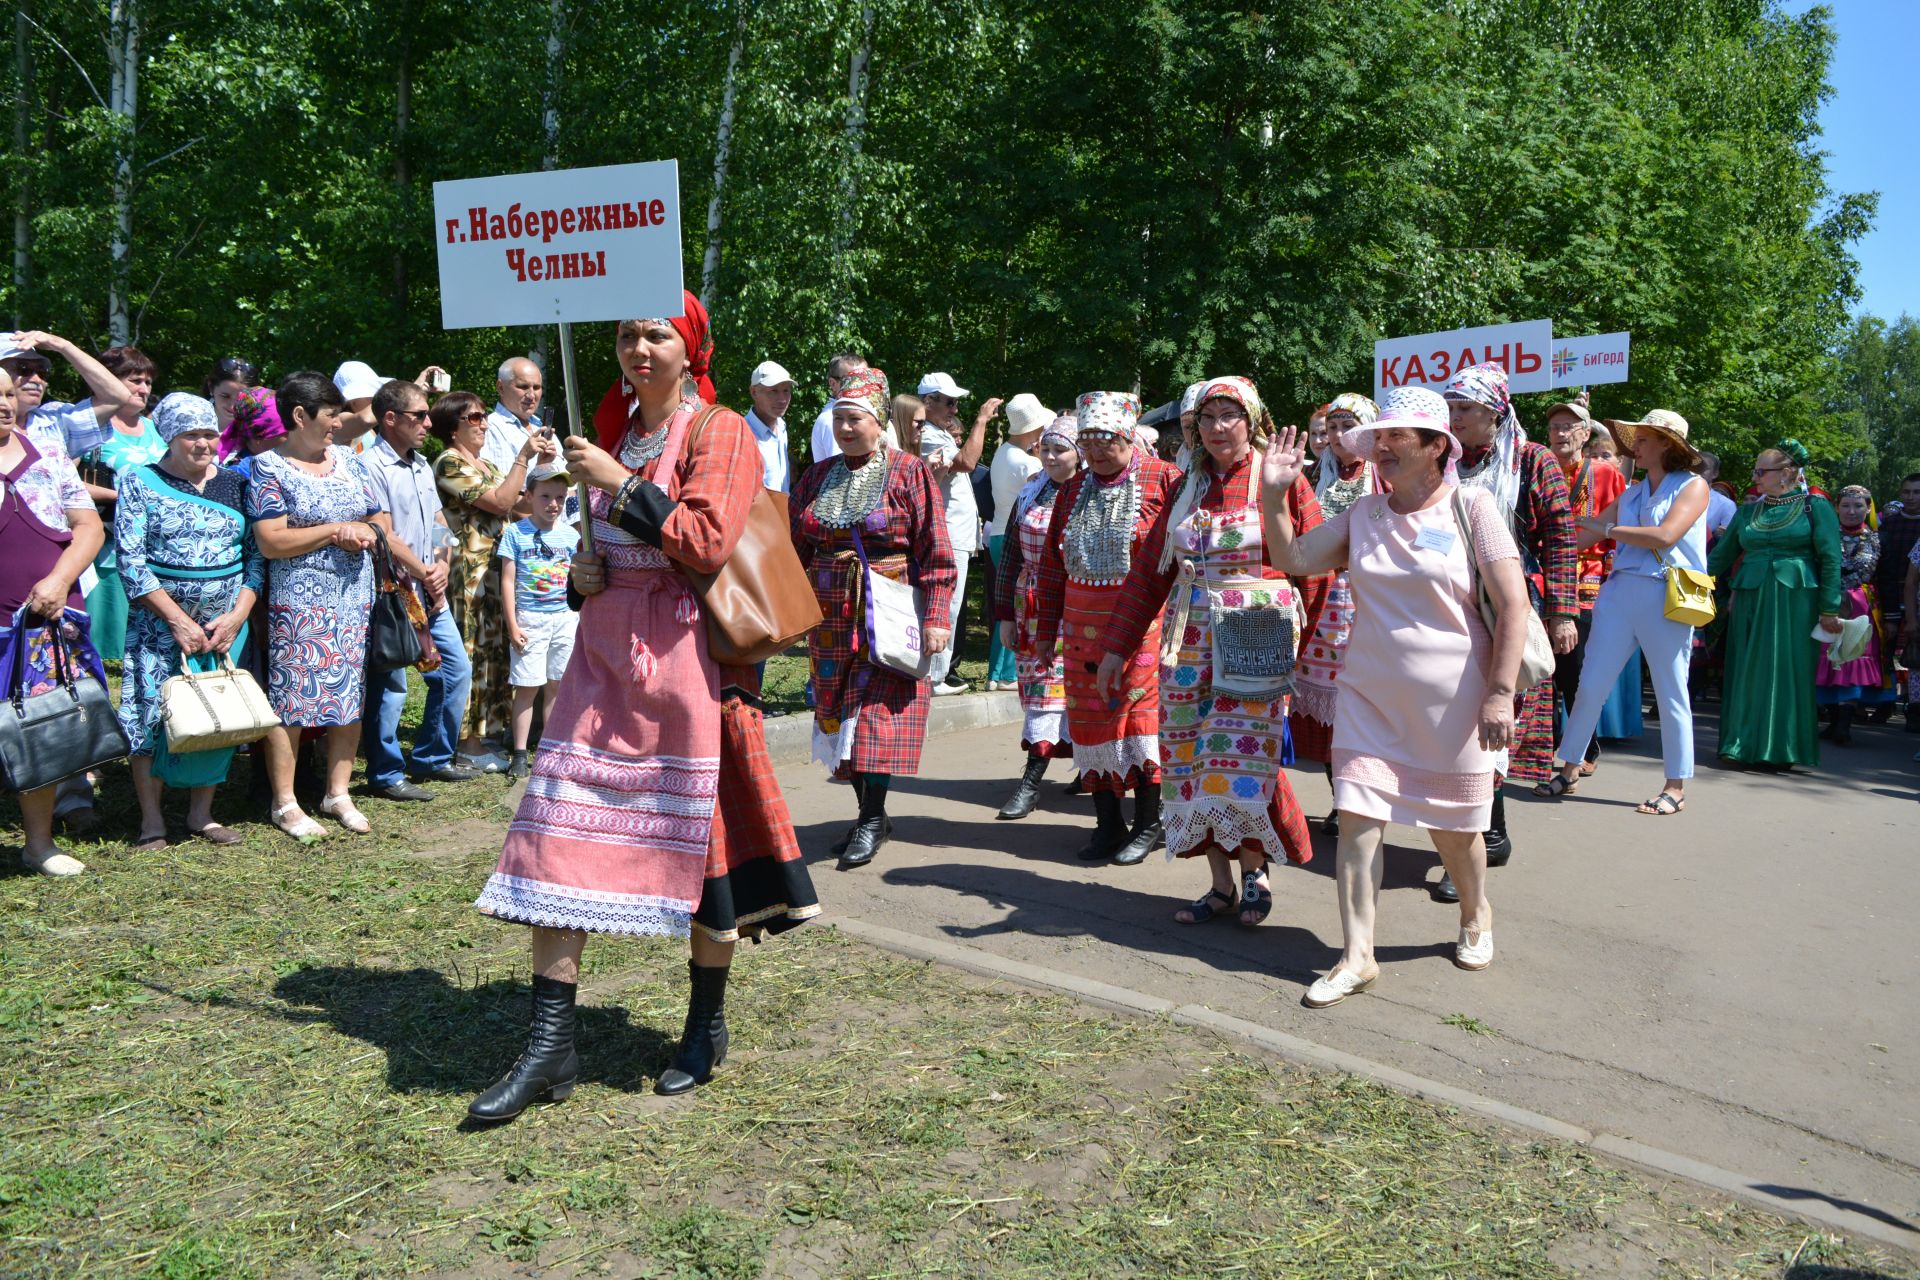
x=1878 y=404
x=1045 y=197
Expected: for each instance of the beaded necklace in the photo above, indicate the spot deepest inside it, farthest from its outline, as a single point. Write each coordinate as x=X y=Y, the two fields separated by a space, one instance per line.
x=1342 y=494
x=849 y=494
x=1789 y=508
x=636 y=451
x=1099 y=540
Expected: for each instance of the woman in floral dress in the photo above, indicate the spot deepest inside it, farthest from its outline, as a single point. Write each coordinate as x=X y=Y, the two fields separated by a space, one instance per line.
x=193 y=573
x=1042 y=676
x=1232 y=630
x=311 y=506
x=477 y=500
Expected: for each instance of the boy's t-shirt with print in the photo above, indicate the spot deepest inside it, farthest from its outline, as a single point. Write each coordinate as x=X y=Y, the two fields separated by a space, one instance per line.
x=541 y=559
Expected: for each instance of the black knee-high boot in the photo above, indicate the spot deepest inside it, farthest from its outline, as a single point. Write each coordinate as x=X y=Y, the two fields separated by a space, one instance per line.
x=874 y=826
x=838 y=847
x=1109 y=830
x=703 y=1041
x=547 y=1068
x=1499 y=844
x=1027 y=793
x=1147 y=834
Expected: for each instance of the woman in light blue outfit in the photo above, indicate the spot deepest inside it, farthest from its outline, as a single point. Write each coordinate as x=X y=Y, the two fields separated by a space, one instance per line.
x=132 y=443
x=192 y=574
x=1660 y=521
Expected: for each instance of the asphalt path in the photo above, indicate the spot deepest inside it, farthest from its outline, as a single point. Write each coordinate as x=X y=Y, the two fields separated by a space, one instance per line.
x=1735 y=984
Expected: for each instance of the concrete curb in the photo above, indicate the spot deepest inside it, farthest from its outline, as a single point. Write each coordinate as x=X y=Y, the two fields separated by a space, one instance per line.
x=1309 y=1054
x=790 y=737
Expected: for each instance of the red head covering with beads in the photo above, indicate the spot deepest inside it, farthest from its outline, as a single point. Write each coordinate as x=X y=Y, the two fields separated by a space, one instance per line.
x=617 y=406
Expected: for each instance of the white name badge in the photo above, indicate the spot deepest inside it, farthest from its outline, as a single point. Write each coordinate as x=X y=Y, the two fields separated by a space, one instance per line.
x=1433 y=538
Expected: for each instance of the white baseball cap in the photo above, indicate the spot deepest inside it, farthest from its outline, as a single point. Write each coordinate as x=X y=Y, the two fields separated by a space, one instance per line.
x=357 y=380
x=769 y=374
x=942 y=384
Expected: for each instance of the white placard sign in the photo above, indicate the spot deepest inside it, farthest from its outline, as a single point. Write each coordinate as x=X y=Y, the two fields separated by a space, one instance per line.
x=1432 y=359
x=1581 y=362
x=570 y=244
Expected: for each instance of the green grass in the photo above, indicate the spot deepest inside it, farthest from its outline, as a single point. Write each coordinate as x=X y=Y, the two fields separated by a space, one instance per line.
x=255 y=1062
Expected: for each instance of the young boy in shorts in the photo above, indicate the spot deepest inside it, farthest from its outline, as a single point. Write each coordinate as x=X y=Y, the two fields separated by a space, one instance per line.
x=536 y=553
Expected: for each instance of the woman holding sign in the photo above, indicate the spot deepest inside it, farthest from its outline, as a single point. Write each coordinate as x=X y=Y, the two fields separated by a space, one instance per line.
x=652 y=808
x=869 y=511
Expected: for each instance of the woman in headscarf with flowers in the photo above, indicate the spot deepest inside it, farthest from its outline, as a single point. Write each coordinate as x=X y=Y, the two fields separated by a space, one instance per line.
x=869 y=508
x=1530 y=489
x=1100 y=522
x=652 y=809
x=1780 y=562
x=1341 y=476
x=1042 y=676
x=1232 y=630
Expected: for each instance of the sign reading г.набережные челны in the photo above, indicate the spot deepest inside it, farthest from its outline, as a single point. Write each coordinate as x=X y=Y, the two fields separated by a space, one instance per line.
x=1432 y=359
x=570 y=244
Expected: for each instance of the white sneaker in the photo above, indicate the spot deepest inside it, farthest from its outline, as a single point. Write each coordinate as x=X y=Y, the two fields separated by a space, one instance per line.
x=1002 y=686
x=53 y=863
x=485 y=762
x=948 y=687
x=1337 y=986
x=1474 y=950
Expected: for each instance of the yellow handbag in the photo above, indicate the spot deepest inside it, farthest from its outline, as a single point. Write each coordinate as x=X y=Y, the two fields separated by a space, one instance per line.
x=1689 y=595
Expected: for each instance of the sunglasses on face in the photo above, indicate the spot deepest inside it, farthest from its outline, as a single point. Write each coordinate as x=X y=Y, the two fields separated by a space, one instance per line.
x=28 y=367
x=418 y=415
x=473 y=419
x=937 y=398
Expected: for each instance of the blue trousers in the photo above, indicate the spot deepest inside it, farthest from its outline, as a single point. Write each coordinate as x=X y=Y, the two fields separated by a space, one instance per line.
x=1001 y=663
x=439 y=730
x=1630 y=611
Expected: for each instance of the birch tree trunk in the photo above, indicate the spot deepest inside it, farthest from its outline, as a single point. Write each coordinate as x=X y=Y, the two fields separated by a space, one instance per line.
x=22 y=137
x=402 y=169
x=722 y=143
x=550 y=149
x=855 y=134
x=123 y=47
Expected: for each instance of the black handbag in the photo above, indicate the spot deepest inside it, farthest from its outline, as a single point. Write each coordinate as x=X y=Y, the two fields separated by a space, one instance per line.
x=67 y=730
x=392 y=643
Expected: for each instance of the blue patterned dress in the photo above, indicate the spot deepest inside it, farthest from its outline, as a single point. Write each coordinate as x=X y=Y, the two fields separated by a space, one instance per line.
x=317 y=603
x=195 y=546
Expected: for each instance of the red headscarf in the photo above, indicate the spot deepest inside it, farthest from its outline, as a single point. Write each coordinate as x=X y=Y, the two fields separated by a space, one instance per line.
x=617 y=406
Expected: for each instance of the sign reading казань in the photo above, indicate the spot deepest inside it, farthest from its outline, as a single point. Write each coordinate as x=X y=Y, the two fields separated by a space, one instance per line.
x=570 y=244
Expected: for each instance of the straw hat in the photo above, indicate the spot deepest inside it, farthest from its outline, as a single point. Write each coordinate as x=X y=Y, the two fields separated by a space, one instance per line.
x=1663 y=422
x=1850 y=643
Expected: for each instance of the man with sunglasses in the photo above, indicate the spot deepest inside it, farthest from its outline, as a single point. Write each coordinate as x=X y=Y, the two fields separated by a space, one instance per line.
x=78 y=427
x=403 y=484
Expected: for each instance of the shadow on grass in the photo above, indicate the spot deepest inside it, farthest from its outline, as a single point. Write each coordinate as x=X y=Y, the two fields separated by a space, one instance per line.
x=440 y=1038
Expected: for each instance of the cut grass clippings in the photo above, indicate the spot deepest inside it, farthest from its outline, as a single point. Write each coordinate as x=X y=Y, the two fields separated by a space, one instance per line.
x=255 y=1062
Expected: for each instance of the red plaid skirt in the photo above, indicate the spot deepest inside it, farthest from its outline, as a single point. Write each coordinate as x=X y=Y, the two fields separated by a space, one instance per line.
x=889 y=710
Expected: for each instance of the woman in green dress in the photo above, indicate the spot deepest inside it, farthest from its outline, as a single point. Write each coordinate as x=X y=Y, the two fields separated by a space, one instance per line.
x=1783 y=555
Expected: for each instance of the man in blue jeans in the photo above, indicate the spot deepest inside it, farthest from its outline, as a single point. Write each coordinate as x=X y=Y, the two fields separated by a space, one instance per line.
x=403 y=484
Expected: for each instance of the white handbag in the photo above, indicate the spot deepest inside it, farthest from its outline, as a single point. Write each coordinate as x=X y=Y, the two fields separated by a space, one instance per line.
x=893 y=622
x=207 y=710
x=1536 y=657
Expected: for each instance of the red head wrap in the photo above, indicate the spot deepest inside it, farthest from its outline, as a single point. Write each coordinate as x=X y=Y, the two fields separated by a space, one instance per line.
x=616 y=407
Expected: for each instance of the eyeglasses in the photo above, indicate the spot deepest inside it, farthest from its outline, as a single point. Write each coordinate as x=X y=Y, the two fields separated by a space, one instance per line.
x=28 y=366
x=415 y=414
x=233 y=368
x=934 y=397
x=475 y=418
